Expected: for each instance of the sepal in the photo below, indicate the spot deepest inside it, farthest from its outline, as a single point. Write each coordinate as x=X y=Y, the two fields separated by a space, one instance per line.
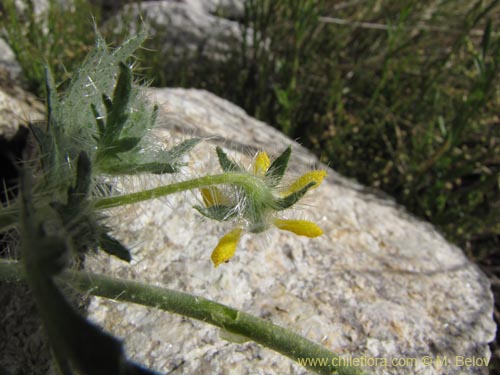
x=278 y=167
x=217 y=212
x=290 y=200
x=114 y=247
x=226 y=163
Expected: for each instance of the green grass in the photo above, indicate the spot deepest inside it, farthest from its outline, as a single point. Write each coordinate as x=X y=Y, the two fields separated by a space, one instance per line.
x=401 y=95
x=61 y=42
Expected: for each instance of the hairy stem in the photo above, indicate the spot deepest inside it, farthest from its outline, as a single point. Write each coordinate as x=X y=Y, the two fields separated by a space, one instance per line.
x=250 y=183
x=245 y=180
x=261 y=331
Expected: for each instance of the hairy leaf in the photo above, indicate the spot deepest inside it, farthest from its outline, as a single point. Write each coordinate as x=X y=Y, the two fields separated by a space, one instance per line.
x=278 y=167
x=290 y=200
x=226 y=163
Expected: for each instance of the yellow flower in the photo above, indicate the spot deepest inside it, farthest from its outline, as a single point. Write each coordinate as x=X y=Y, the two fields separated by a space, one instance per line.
x=304 y=180
x=213 y=197
x=226 y=247
x=299 y=227
x=255 y=205
x=261 y=164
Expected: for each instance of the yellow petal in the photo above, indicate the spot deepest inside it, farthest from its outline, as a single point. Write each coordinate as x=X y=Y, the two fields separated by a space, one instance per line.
x=213 y=196
x=299 y=227
x=226 y=247
x=261 y=164
x=313 y=176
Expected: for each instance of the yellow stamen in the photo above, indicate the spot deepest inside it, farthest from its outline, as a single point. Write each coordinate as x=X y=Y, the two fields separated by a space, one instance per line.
x=261 y=164
x=213 y=196
x=313 y=176
x=226 y=247
x=299 y=227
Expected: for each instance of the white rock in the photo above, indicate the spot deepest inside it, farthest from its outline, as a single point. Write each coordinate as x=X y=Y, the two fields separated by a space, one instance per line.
x=18 y=108
x=8 y=62
x=186 y=26
x=378 y=284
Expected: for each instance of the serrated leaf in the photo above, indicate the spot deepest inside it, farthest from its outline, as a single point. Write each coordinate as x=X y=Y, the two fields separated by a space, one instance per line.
x=290 y=200
x=225 y=162
x=278 y=167
x=114 y=247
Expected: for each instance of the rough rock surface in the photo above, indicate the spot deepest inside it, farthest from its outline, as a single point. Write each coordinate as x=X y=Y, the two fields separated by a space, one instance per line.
x=378 y=284
x=187 y=26
x=9 y=67
x=17 y=107
x=230 y=8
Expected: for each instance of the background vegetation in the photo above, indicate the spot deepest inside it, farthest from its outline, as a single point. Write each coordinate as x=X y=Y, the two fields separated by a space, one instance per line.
x=402 y=95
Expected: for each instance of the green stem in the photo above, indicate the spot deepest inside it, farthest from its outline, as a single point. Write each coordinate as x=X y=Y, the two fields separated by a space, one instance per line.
x=251 y=184
x=245 y=180
x=259 y=330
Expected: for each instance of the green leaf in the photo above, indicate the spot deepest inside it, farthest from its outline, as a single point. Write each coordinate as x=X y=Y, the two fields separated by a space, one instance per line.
x=101 y=127
x=114 y=247
x=119 y=167
x=157 y=162
x=227 y=164
x=125 y=144
x=126 y=49
x=79 y=192
x=217 y=212
x=81 y=224
x=121 y=97
x=278 y=167
x=290 y=200
x=179 y=150
x=108 y=103
x=76 y=342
